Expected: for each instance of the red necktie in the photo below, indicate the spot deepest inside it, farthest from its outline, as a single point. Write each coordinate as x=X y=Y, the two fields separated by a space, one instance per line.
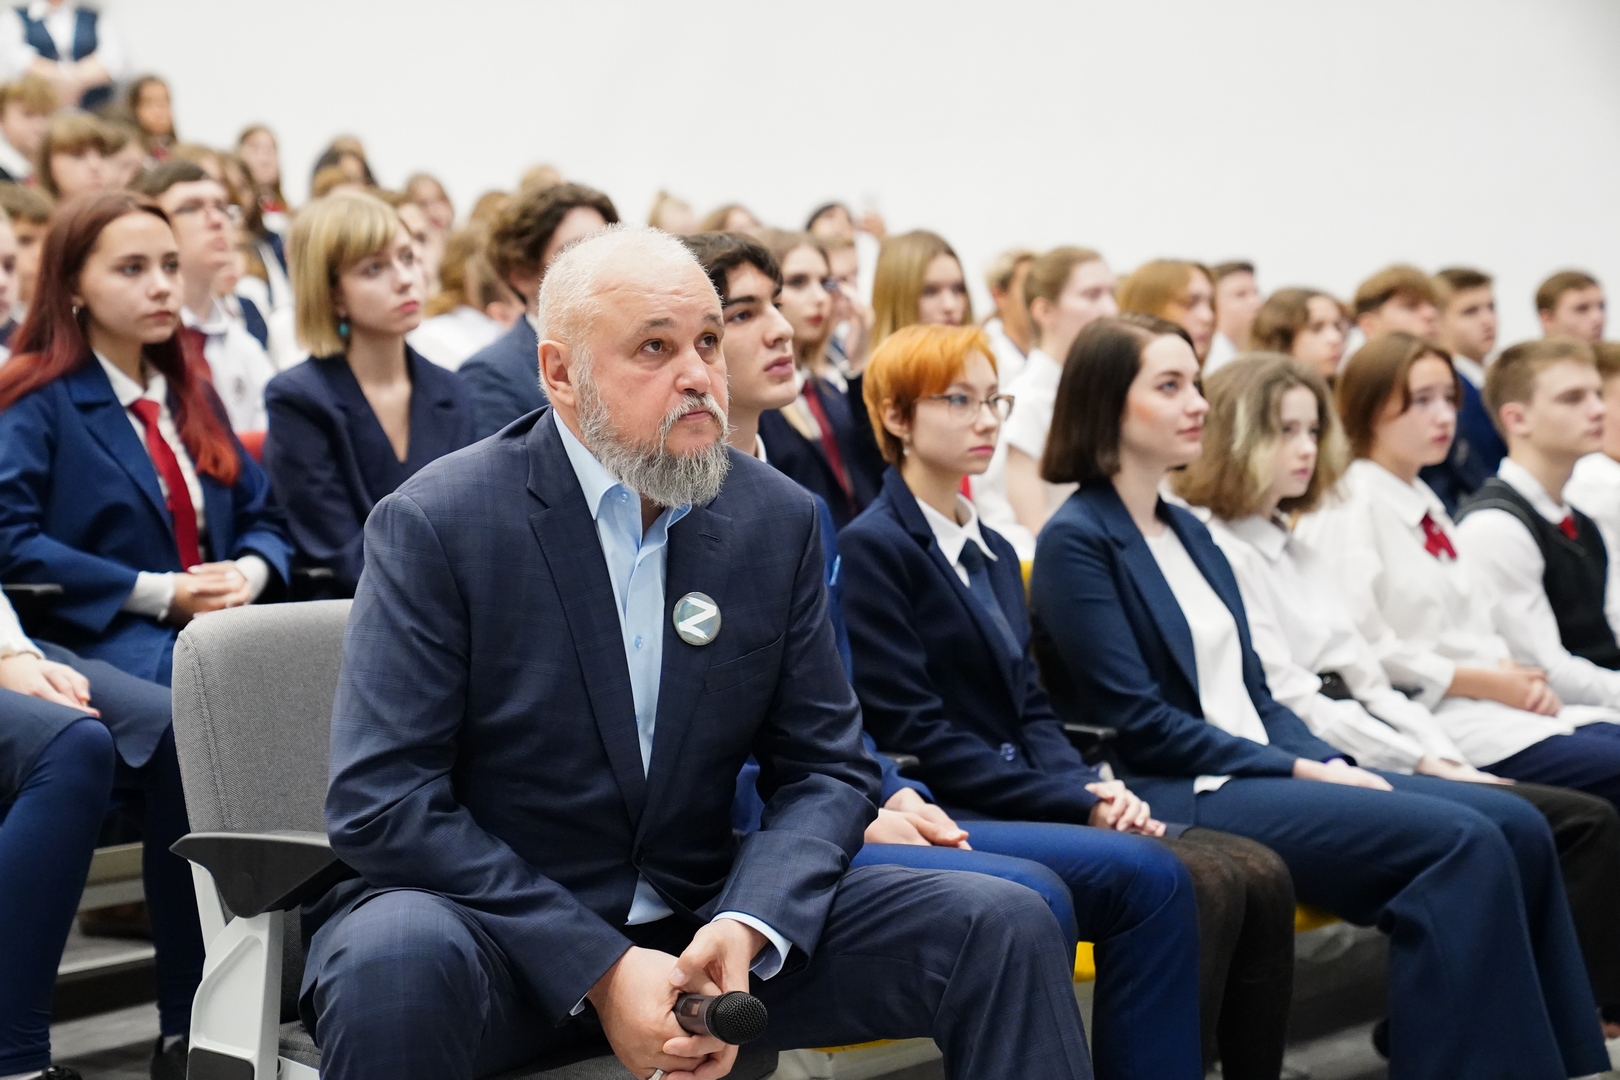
x=829 y=444
x=1435 y=540
x=1568 y=527
x=193 y=345
x=168 y=467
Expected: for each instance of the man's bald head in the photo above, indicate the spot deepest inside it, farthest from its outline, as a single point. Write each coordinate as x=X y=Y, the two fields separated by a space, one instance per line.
x=620 y=257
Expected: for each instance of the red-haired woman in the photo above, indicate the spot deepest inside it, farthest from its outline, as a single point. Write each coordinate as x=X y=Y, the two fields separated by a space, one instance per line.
x=120 y=479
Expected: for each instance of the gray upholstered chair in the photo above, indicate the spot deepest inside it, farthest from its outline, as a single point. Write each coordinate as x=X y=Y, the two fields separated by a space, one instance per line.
x=253 y=690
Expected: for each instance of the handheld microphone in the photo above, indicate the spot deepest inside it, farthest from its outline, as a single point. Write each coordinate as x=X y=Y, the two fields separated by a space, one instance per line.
x=733 y=1018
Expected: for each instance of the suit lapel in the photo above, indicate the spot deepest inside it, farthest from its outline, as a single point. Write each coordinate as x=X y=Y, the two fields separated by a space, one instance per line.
x=1145 y=574
x=109 y=425
x=911 y=516
x=572 y=550
x=696 y=560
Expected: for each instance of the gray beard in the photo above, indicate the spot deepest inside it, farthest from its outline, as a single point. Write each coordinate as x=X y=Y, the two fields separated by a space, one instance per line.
x=650 y=469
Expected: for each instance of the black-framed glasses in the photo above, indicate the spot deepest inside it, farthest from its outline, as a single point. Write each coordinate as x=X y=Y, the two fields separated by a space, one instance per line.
x=964 y=408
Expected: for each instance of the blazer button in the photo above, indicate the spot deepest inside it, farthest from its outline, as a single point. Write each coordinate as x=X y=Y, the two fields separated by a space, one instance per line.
x=1009 y=752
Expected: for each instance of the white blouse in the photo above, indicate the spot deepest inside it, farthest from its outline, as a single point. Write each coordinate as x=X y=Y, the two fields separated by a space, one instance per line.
x=1034 y=394
x=1595 y=489
x=1301 y=631
x=1421 y=615
x=1217 y=648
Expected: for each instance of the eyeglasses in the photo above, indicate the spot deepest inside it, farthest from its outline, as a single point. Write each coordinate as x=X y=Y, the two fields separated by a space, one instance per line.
x=229 y=211
x=964 y=409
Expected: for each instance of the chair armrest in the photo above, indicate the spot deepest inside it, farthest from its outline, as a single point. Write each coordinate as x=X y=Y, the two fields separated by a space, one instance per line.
x=1089 y=738
x=906 y=763
x=270 y=871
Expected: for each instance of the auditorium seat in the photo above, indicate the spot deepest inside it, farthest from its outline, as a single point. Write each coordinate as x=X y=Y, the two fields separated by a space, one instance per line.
x=253 y=690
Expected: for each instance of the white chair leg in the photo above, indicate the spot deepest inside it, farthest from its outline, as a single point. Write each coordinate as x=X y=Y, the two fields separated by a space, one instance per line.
x=236 y=1013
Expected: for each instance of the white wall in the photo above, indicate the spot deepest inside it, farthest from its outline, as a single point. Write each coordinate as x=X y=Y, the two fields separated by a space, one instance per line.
x=1321 y=138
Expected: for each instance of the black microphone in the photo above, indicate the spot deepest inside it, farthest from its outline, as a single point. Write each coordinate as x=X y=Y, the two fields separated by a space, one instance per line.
x=733 y=1018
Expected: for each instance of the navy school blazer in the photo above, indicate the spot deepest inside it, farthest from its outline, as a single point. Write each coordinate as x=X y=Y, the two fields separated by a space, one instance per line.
x=1475 y=452
x=80 y=506
x=806 y=461
x=484 y=742
x=329 y=460
x=503 y=379
x=1115 y=649
x=935 y=680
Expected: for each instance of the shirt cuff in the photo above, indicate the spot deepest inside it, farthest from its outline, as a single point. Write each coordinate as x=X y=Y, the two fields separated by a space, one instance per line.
x=771 y=958
x=19 y=646
x=257 y=572
x=152 y=595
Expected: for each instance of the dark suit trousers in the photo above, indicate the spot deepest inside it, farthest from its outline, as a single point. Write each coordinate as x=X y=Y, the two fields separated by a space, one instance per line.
x=406 y=985
x=1587 y=760
x=1586 y=830
x=1129 y=896
x=1486 y=977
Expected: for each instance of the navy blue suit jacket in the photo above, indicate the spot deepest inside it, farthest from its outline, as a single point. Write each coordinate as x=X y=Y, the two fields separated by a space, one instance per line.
x=1474 y=455
x=80 y=505
x=1115 y=649
x=330 y=461
x=805 y=461
x=935 y=680
x=484 y=742
x=503 y=379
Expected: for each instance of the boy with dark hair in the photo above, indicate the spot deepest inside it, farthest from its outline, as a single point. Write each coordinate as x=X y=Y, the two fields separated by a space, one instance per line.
x=503 y=378
x=1570 y=304
x=1545 y=564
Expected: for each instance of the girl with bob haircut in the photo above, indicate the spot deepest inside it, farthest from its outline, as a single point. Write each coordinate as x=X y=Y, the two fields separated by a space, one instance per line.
x=73 y=155
x=1177 y=291
x=1142 y=628
x=1308 y=325
x=1388 y=548
x=365 y=412
x=120 y=479
x=918 y=279
x=1274 y=449
x=940 y=639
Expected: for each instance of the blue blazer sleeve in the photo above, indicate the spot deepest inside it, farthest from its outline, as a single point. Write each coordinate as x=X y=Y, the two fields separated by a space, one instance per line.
x=1078 y=593
x=503 y=379
x=301 y=458
x=901 y=701
x=391 y=810
x=94 y=587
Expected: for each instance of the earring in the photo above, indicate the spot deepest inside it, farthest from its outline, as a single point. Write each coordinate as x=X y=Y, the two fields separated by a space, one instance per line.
x=343 y=329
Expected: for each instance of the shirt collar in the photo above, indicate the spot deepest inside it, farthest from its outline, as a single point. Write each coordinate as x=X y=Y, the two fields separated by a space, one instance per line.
x=214 y=323
x=759 y=449
x=1039 y=362
x=15 y=162
x=128 y=391
x=1264 y=535
x=594 y=479
x=1518 y=478
x=1470 y=369
x=41 y=8
x=1409 y=501
x=952 y=537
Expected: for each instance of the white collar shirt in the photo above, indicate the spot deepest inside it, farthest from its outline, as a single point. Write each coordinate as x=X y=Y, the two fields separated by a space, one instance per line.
x=1421 y=615
x=1300 y=632
x=15 y=162
x=1504 y=560
x=1222 y=351
x=61 y=24
x=953 y=536
x=239 y=365
x=128 y=392
x=1595 y=488
x=1470 y=369
x=1010 y=359
x=1034 y=394
x=12 y=638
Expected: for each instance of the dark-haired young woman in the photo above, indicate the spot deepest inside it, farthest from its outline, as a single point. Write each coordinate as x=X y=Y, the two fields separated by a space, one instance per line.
x=1142 y=628
x=120 y=479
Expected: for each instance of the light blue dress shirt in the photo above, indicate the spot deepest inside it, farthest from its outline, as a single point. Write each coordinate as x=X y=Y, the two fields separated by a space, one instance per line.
x=635 y=563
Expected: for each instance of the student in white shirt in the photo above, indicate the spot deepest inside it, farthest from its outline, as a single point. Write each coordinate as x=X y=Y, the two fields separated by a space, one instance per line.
x=1273 y=449
x=1544 y=565
x=1066 y=289
x=26 y=106
x=204 y=222
x=1388 y=547
x=1594 y=487
x=1306 y=324
x=76 y=47
x=1009 y=330
x=1237 y=301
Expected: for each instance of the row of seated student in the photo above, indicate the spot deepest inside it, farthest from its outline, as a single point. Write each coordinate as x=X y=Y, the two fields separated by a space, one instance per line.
x=129 y=586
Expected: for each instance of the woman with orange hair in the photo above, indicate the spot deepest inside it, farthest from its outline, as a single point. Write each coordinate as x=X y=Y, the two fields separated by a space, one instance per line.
x=943 y=669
